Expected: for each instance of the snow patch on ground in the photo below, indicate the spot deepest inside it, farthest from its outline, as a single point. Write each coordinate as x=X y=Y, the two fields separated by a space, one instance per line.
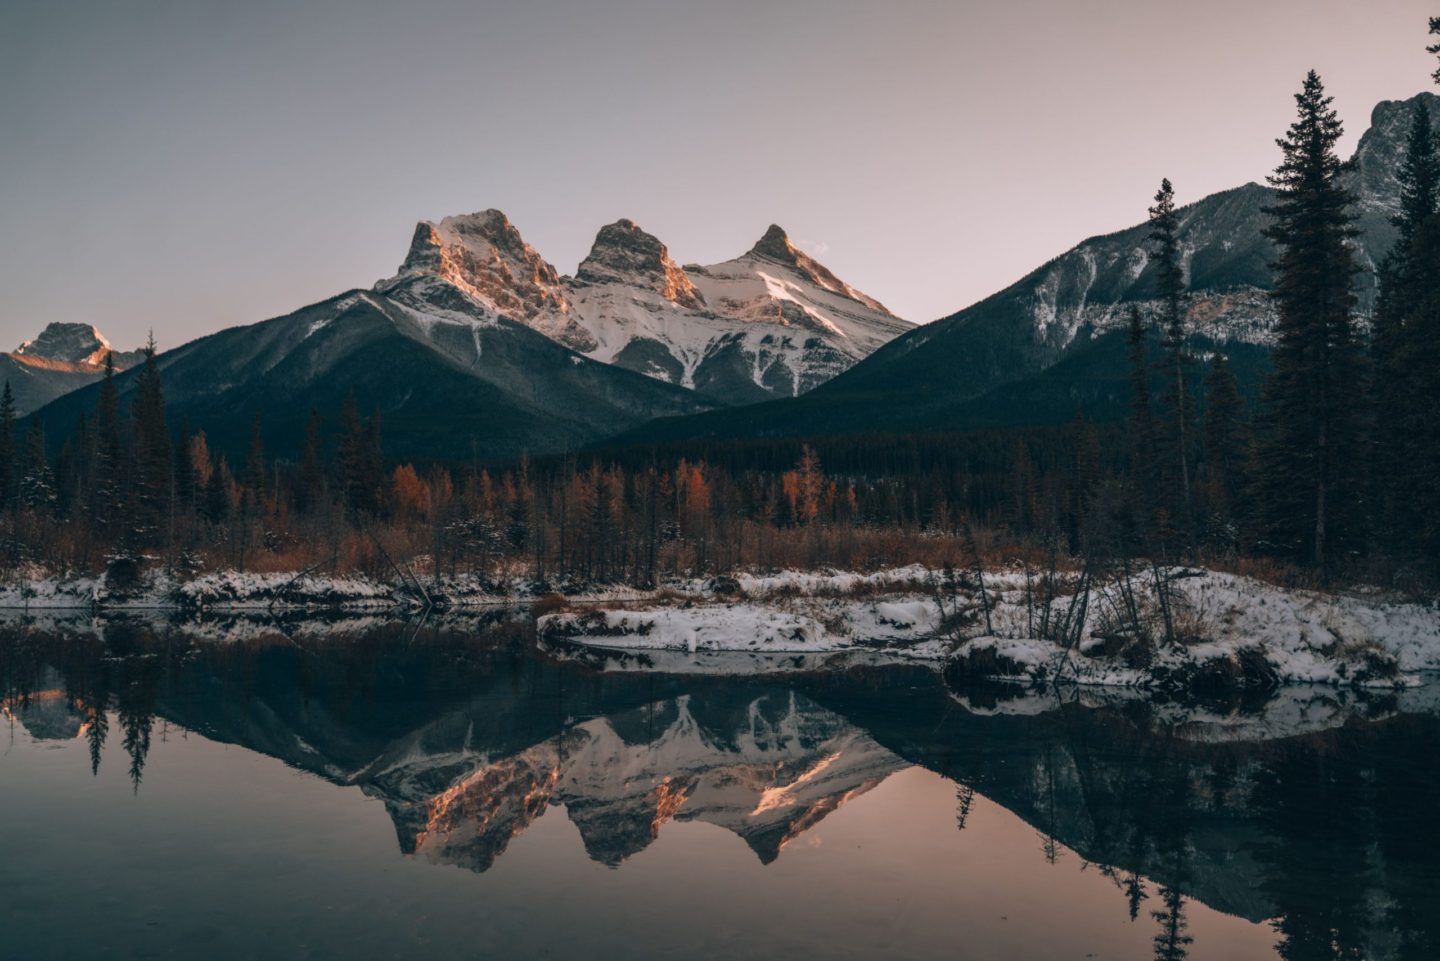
x=1246 y=632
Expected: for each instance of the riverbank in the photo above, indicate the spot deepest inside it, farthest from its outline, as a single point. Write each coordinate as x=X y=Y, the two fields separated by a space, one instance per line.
x=1213 y=630
x=1171 y=629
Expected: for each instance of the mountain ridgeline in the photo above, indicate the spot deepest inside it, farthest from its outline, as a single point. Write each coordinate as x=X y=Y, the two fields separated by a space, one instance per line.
x=478 y=349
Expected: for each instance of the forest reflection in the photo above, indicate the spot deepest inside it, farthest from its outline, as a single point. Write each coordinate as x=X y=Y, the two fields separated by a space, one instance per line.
x=1314 y=813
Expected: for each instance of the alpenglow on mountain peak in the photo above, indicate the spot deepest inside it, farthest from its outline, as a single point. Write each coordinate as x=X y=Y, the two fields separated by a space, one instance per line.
x=773 y=322
x=623 y=253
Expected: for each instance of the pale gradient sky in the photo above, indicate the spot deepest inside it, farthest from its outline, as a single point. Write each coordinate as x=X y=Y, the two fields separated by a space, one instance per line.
x=191 y=165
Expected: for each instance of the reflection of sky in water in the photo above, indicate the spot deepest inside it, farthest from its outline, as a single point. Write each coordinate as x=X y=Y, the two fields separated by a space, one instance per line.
x=232 y=853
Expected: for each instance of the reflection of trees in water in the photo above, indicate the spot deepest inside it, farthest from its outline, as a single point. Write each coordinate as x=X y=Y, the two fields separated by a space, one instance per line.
x=1172 y=943
x=964 y=800
x=1330 y=834
x=1351 y=867
x=139 y=683
x=1138 y=814
x=94 y=679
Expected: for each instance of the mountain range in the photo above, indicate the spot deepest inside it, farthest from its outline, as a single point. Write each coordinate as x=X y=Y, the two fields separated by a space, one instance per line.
x=478 y=348
x=773 y=322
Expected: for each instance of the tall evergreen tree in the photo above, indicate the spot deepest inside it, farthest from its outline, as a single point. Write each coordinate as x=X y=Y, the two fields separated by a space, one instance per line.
x=1170 y=286
x=1309 y=497
x=310 y=483
x=77 y=468
x=1407 y=281
x=8 y=465
x=187 y=482
x=350 y=454
x=1143 y=469
x=255 y=461
x=1435 y=47
x=1224 y=443
x=152 y=482
x=37 y=482
x=107 y=491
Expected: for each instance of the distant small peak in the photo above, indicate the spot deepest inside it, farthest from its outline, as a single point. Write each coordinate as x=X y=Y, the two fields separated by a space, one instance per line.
x=72 y=343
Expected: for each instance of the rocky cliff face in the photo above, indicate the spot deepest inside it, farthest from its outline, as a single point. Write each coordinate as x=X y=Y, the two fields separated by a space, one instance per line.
x=484 y=256
x=771 y=323
x=625 y=254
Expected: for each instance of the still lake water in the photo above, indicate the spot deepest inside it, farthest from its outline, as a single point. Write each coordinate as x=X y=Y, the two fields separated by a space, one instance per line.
x=370 y=790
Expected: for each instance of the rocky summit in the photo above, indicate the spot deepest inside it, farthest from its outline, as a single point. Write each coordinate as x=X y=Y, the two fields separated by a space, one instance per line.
x=771 y=323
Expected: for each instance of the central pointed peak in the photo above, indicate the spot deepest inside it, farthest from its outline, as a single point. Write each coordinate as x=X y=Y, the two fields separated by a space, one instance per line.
x=623 y=253
x=776 y=245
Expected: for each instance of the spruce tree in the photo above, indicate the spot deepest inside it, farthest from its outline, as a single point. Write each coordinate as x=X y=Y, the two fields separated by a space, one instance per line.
x=1170 y=287
x=151 y=453
x=8 y=466
x=216 y=503
x=310 y=484
x=107 y=491
x=1309 y=498
x=255 y=462
x=1143 y=469
x=37 y=483
x=76 y=469
x=1224 y=443
x=187 y=489
x=350 y=454
x=1407 y=279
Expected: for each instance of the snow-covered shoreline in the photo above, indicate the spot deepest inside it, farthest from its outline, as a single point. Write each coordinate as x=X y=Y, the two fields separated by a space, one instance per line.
x=1239 y=631
x=1247 y=633
x=236 y=591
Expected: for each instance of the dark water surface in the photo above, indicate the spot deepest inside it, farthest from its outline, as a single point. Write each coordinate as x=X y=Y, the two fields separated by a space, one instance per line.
x=369 y=790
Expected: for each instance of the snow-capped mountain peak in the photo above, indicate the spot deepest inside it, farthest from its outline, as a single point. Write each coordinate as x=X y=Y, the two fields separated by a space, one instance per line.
x=773 y=322
x=64 y=357
x=623 y=253
x=775 y=246
x=484 y=256
x=69 y=343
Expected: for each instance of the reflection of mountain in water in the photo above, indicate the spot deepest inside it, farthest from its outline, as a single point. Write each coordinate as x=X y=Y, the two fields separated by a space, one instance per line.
x=1315 y=810
x=766 y=769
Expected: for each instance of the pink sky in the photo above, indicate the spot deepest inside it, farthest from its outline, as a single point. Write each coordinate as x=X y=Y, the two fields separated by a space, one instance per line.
x=193 y=166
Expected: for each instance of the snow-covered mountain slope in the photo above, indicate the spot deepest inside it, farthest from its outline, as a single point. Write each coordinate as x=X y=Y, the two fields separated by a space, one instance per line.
x=64 y=357
x=449 y=376
x=1226 y=259
x=771 y=323
x=923 y=379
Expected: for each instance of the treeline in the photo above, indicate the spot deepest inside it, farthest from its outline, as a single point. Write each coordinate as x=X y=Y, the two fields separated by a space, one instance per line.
x=1336 y=471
